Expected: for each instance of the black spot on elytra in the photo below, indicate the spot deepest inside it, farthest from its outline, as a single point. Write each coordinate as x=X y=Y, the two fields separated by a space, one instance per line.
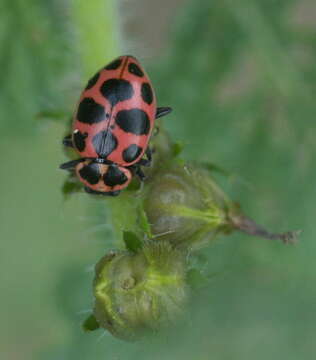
x=104 y=143
x=114 y=176
x=147 y=93
x=90 y=173
x=93 y=81
x=80 y=140
x=90 y=112
x=115 y=64
x=135 y=69
x=116 y=90
x=131 y=153
x=134 y=121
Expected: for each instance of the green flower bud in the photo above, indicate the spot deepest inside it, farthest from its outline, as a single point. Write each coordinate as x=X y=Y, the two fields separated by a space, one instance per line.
x=183 y=205
x=137 y=293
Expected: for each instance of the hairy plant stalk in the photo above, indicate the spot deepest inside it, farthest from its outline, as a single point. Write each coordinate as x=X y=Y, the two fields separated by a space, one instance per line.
x=97 y=33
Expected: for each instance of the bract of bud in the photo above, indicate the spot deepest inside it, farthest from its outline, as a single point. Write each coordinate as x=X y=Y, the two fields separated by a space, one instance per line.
x=137 y=293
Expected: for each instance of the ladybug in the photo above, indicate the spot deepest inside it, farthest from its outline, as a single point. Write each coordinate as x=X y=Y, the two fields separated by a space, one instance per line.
x=112 y=126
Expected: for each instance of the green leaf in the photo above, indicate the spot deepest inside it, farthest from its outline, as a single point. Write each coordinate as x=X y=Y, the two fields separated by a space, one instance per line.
x=90 y=324
x=144 y=224
x=132 y=241
x=177 y=148
x=134 y=185
x=70 y=186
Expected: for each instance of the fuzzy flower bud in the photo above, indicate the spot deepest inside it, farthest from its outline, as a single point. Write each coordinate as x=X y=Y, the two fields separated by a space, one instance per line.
x=184 y=206
x=137 y=293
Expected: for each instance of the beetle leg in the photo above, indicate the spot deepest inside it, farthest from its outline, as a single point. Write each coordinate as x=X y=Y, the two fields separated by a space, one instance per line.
x=136 y=170
x=146 y=162
x=140 y=174
x=149 y=153
x=162 y=111
x=70 y=165
x=67 y=141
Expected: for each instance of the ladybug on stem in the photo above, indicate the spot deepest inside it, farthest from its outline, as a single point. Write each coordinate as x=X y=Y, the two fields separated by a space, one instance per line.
x=112 y=126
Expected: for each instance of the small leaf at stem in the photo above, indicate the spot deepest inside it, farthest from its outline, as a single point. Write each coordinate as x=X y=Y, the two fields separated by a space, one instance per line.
x=70 y=186
x=132 y=241
x=144 y=224
x=90 y=324
x=177 y=148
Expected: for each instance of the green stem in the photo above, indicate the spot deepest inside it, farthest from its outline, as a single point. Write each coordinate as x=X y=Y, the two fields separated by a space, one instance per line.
x=96 y=31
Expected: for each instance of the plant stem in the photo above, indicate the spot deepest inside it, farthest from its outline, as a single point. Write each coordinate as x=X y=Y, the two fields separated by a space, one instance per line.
x=250 y=227
x=97 y=32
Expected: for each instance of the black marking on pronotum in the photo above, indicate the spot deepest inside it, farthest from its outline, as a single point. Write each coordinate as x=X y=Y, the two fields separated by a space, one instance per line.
x=104 y=142
x=80 y=140
x=114 y=176
x=90 y=173
x=115 y=64
x=93 y=81
x=147 y=93
x=131 y=153
x=116 y=90
x=135 y=69
x=134 y=121
x=90 y=112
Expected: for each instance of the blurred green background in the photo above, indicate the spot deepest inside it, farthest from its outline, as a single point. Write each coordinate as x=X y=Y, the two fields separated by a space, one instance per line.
x=240 y=76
